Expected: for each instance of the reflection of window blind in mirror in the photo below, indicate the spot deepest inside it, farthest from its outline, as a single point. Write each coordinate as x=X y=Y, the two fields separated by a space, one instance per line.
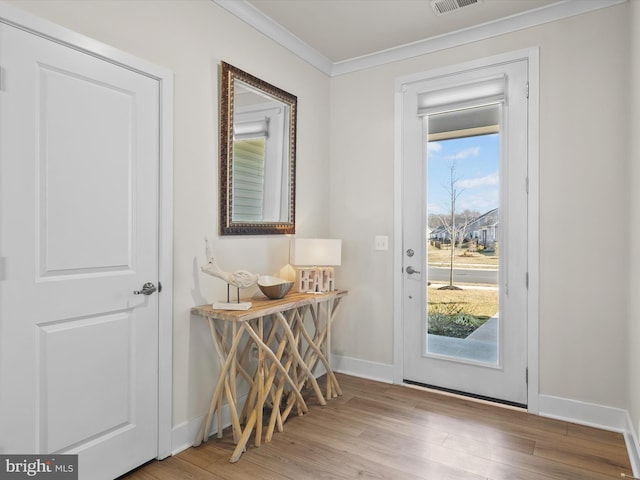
x=252 y=129
x=248 y=179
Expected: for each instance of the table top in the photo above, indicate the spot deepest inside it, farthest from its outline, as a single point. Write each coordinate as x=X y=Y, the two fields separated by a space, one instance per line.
x=263 y=306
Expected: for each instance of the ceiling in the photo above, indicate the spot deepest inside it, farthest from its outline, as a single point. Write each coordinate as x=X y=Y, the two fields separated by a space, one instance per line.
x=346 y=35
x=345 y=29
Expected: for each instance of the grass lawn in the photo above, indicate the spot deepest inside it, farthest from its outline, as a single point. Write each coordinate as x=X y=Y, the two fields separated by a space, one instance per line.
x=441 y=258
x=458 y=313
x=474 y=301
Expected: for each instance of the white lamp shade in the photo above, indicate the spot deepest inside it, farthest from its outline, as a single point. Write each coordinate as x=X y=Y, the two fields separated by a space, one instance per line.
x=316 y=251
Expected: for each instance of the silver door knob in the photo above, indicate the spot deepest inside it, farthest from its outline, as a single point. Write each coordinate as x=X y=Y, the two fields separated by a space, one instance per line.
x=147 y=289
x=411 y=270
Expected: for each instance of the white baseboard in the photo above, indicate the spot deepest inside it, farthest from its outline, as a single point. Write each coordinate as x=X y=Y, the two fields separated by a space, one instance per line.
x=583 y=413
x=362 y=368
x=633 y=447
x=183 y=436
x=598 y=416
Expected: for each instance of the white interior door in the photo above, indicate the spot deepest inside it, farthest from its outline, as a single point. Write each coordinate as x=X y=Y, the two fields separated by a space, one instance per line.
x=475 y=105
x=79 y=167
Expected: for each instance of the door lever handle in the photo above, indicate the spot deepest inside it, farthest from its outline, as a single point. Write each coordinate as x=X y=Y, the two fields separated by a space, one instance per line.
x=147 y=289
x=411 y=270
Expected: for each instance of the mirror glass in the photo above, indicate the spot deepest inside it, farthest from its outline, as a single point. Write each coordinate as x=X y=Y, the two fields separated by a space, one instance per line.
x=257 y=156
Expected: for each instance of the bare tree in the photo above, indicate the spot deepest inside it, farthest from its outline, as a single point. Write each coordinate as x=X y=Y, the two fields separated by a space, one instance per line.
x=454 y=229
x=463 y=221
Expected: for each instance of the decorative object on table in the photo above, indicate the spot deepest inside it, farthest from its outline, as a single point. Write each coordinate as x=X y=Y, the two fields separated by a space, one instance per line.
x=274 y=287
x=239 y=279
x=231 y=305
x=314 y=259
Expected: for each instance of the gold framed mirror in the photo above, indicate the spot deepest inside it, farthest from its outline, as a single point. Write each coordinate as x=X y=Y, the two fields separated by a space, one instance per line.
x=257 y=155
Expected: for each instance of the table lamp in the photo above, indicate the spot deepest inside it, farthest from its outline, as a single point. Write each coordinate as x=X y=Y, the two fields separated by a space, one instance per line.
x=314 y=259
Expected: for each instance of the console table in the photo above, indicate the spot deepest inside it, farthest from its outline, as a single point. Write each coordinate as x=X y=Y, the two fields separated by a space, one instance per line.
x=271 y=348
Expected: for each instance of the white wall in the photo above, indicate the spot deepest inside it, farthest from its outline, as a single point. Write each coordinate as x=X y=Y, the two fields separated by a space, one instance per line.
x=191 y=37
x=584 y=212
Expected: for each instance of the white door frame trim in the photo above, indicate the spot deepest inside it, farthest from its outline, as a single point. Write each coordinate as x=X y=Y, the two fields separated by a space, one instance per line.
x=44 y=28
x=532 y=56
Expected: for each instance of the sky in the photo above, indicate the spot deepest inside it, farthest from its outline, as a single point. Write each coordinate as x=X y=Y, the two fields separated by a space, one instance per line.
x=476 y=161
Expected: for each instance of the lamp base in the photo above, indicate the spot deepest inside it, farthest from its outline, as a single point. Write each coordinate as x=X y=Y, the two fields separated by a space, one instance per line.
x=315 y=279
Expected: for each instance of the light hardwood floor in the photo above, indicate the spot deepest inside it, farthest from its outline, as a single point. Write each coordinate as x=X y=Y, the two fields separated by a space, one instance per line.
x=382 y=431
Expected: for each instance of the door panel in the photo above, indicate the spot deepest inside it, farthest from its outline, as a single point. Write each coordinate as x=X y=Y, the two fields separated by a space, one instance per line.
x=74 y=394
x=100 y=120
x=426 y=360
x=79 y=167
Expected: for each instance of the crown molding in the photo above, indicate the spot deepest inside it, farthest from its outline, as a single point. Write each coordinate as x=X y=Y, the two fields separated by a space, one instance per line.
x=264 y=24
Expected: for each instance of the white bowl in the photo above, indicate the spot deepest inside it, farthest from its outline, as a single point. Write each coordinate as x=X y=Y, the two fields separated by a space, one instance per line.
x=274 y=287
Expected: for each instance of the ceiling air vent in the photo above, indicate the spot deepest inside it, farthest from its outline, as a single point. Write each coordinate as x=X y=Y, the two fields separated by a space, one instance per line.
x=447 y=6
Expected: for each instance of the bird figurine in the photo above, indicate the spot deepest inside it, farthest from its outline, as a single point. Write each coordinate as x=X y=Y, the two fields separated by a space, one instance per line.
x=239 y=278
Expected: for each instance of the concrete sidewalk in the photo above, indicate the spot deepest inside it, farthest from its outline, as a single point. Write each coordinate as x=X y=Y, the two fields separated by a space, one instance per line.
x=480 y=346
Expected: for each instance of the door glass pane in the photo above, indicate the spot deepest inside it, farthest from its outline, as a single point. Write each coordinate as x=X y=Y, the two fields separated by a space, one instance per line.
x=463 y=192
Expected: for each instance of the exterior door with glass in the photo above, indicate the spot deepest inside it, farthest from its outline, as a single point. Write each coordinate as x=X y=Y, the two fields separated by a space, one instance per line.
x=464 y=140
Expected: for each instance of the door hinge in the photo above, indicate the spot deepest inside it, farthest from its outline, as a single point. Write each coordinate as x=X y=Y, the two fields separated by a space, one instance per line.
x=526 y=90
x=1 y=79
x=526 y=279
x=526 y=375
x=526 y=185
x=159 y=287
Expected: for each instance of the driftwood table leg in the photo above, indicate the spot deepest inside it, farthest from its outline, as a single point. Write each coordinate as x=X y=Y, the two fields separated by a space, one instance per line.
x=332 y=308
x=281 y=368
x=260 y=378
x=251 y=421
x=300 y=362
x=277 y=395
x=318 y=352
x=287 y=356
x=216 y=401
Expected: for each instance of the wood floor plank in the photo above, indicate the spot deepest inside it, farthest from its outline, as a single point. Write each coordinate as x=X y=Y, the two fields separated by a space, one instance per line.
x=394 y=432
x=387 y=459
x=588 y=459
x=248 y=467
x=207 y=453
x=280 y=463
x=175 y=467
x=334 y=460
x=595 y=434
x=141 y=473
x=480 y=413
x=526 y=464
x=615 y=453
x=355 y=421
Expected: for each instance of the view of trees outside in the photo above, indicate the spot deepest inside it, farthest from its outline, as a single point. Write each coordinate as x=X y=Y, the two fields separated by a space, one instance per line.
x=462 y=207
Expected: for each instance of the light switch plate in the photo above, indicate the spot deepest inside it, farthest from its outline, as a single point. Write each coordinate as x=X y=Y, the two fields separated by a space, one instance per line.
x=382 y=242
